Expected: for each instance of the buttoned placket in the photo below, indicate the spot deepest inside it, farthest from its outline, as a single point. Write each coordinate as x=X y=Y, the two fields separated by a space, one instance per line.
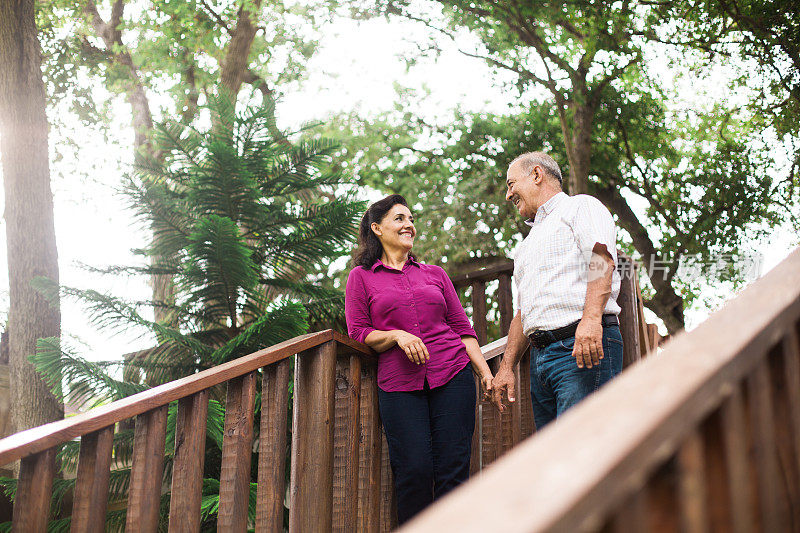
x=411 y=296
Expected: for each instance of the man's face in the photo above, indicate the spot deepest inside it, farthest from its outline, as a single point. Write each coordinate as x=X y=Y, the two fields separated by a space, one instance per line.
x=523 y=189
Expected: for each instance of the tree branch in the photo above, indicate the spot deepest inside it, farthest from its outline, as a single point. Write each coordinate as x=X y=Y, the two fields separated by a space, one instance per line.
x=112 y=38
x=648 y=192
x=615 y=73
x=216 y=17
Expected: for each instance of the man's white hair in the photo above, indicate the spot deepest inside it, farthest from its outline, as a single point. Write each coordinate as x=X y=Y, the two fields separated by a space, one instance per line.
x=528 y=160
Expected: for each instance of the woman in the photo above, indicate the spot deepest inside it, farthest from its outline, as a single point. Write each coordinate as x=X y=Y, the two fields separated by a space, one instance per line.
x=410 y=314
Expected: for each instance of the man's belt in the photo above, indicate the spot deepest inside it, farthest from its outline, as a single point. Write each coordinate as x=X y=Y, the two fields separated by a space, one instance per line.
x=542 y=338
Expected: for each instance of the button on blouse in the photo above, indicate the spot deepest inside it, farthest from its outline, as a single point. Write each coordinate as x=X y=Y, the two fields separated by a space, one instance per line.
x=419 y=299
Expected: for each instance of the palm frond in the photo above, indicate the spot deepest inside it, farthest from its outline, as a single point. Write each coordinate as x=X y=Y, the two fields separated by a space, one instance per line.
x=220 y=266
x=86 y=382
x=282 y=322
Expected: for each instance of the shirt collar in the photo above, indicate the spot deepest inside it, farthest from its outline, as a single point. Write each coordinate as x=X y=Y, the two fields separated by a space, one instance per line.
x=379 y=263
x=547 y=207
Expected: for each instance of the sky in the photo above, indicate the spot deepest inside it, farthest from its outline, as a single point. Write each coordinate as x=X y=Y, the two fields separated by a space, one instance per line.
x=357 y=67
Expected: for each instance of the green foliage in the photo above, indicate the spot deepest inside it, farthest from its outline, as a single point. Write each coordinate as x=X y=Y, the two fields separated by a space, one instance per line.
x=245 y=225
x=706 y=194
x=586 y=92
x=178 y=49
x=755 y=36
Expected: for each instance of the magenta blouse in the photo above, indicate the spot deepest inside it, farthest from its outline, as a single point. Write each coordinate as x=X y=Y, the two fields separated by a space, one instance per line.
x=421 y=300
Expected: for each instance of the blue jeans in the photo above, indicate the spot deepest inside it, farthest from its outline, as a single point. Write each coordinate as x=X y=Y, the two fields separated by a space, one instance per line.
x=429 y=433
x=556 y=381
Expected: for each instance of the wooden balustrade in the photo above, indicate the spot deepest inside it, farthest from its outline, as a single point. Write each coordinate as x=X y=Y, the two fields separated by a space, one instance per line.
x=339 y=476
x=705 y=437
x=313 y=461
x=497 y=433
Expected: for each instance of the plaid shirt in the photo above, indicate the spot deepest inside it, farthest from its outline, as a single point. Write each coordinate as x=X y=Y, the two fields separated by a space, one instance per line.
x=551 y=263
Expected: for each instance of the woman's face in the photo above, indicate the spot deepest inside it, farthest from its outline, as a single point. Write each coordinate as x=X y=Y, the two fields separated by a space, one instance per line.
x=396 y=231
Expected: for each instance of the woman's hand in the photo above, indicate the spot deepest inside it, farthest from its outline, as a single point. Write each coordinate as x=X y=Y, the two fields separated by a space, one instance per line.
x=479 y=365
x=413 y=346
x=486 y=386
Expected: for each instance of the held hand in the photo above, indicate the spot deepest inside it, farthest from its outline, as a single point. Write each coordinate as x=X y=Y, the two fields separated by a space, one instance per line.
x=588 y=349
x=413 y=346
x=503 y=382
x=486 y=387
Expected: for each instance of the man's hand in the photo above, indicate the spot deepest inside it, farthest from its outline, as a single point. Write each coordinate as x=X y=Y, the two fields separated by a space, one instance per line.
x=413 y=346
x=503 y=382
x=588 y=349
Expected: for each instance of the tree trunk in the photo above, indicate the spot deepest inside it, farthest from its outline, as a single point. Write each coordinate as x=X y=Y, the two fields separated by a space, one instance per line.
x=30 y=228
x=235 y=65
x=580 y=150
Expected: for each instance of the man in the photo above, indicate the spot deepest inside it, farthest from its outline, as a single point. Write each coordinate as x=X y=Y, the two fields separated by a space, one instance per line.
x=567 y=287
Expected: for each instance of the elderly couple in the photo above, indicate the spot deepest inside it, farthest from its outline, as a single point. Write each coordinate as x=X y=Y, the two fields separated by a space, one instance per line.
x=410 y=314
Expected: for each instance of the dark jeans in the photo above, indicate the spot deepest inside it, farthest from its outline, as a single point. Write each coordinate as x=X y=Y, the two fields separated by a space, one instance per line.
x=429 y=432
x=556 y=381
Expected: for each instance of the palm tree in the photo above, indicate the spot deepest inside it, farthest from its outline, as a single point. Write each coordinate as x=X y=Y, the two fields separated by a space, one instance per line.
x=244 y=224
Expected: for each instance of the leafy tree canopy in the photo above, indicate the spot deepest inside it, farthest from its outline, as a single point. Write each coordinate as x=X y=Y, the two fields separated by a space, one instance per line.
x=694 y=181
x=177 y=49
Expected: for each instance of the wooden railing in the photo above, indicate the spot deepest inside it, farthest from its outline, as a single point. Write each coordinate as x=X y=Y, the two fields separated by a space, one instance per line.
x=340 y=479
x=498 y=432
x=705 y=437
x=339 y=476
x=334 y=407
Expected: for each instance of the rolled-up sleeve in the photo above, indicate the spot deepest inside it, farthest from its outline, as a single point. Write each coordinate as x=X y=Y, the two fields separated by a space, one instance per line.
x=455 y=316
x=593 y=224
x=356 y=306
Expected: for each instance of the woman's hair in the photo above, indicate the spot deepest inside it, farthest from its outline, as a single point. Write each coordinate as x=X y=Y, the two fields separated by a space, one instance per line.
x=369 y=247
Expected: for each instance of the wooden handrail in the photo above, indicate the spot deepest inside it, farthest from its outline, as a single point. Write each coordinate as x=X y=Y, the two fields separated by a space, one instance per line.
x=43 y=437
x=598 y=462
x=494 y=349
x=484 y=274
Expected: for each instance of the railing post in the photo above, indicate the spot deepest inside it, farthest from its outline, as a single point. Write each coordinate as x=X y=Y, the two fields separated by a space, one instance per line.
x=90 y=499
x=388 y=514
x=346 y=436
x=512 y=420
x=369 y=478
x=662 y=499
x=34 y=490
x=237 y=448
x=631 y=516
x=761 y=413
x=187 y=470
x=272 y=448
x=629 y=316
x=147 y=471
x=692 y=485
x=785 y=437
x=734 y=429
x=716 y=473
x=312 y=440
x=479 y=311
x=490 y=423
